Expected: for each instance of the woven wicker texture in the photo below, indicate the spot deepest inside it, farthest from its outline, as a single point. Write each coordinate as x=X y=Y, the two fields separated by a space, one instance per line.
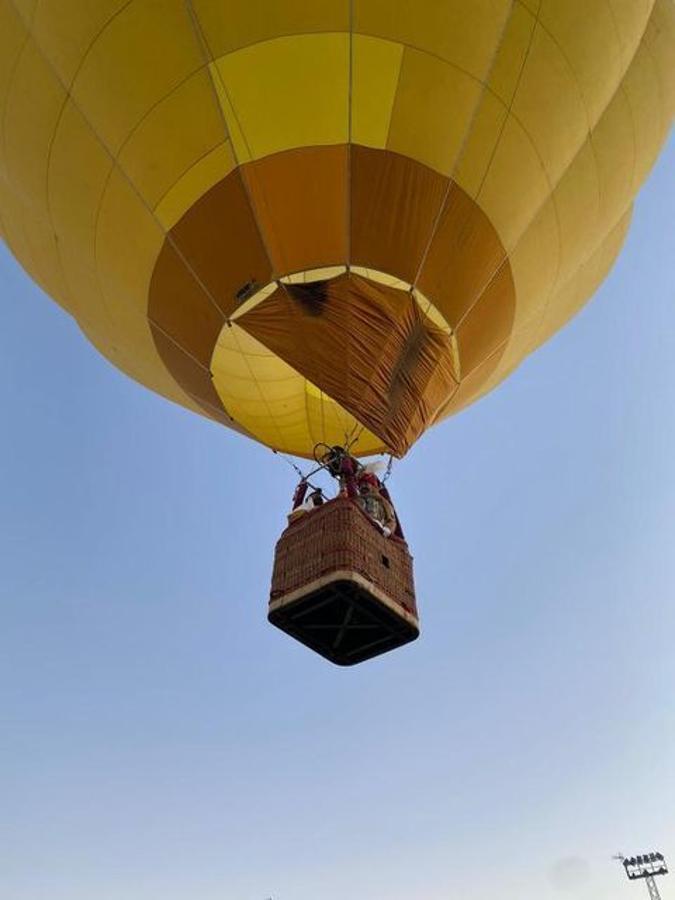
x=338 y=536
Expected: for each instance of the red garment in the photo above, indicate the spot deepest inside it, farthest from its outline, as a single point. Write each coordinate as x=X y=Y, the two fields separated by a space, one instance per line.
x=348 y=469
x=299 y=495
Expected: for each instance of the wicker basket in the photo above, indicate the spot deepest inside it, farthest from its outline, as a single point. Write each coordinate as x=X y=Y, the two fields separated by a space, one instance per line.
x=341 y=587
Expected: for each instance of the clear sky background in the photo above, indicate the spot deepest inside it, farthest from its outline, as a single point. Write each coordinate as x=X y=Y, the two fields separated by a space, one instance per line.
x=159 y=741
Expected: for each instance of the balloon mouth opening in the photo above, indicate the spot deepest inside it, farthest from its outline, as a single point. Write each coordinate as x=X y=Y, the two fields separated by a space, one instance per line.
x=367 y=349
x=250 y=294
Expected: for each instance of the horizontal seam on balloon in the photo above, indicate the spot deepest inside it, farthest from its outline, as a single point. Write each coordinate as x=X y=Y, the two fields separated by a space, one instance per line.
x=367 y=34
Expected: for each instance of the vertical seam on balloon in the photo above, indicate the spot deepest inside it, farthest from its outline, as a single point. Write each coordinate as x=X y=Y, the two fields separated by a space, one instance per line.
x=323 y=418
x=528 y=321
x=465 y=139
x=349 y=195
x=257 y=384
x=116 y=165
x=537 y=340
x=501 y=346
x=640 y=46
x=394 y=96
x=539 y=208
x=170 y=337
x=212 y=65
x=70 y=84
x=588 y=140
x=68 y=87
x=133 y=131
x=517 y=243
x=210 y=62
x=648 y=50
x=209 y=57
x=307 y=416
x=509 y=112
x=3 y=129
x=624 y=92
x=322 y=411
x=348 y=219
x=509 y=106
x=13 y=70
x=629 y=106
x=350 y=112
x=552 y=187
x=612 y=15
x=205 y=404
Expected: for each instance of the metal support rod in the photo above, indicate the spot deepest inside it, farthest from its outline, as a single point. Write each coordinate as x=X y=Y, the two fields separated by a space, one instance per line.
x=652 y=888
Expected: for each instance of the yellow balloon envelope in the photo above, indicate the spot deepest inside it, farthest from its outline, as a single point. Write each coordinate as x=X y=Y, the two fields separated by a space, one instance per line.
x=311 y=219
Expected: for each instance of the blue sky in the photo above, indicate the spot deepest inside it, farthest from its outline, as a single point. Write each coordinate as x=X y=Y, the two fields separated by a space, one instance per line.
x=159 y=740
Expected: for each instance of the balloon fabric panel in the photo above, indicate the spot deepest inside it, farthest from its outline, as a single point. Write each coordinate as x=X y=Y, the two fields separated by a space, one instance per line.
x=168 y=168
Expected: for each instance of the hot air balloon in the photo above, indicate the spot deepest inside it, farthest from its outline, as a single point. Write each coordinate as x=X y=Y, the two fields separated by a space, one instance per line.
x=326 y=222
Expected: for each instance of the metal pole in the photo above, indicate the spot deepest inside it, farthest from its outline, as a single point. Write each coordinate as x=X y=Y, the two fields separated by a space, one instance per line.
x=652 y=888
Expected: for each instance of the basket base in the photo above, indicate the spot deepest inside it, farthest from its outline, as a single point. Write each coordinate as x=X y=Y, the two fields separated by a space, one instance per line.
x=344 y=619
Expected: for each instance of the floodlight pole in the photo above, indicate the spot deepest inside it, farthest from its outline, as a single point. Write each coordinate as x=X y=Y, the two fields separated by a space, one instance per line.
x=652 y=888
x=645 y=868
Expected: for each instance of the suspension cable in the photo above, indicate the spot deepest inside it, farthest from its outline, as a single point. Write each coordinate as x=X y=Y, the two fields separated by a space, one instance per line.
x=390 y=466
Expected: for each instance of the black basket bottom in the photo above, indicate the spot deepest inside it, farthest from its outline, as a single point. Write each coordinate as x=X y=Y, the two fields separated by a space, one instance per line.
x=344 y=622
